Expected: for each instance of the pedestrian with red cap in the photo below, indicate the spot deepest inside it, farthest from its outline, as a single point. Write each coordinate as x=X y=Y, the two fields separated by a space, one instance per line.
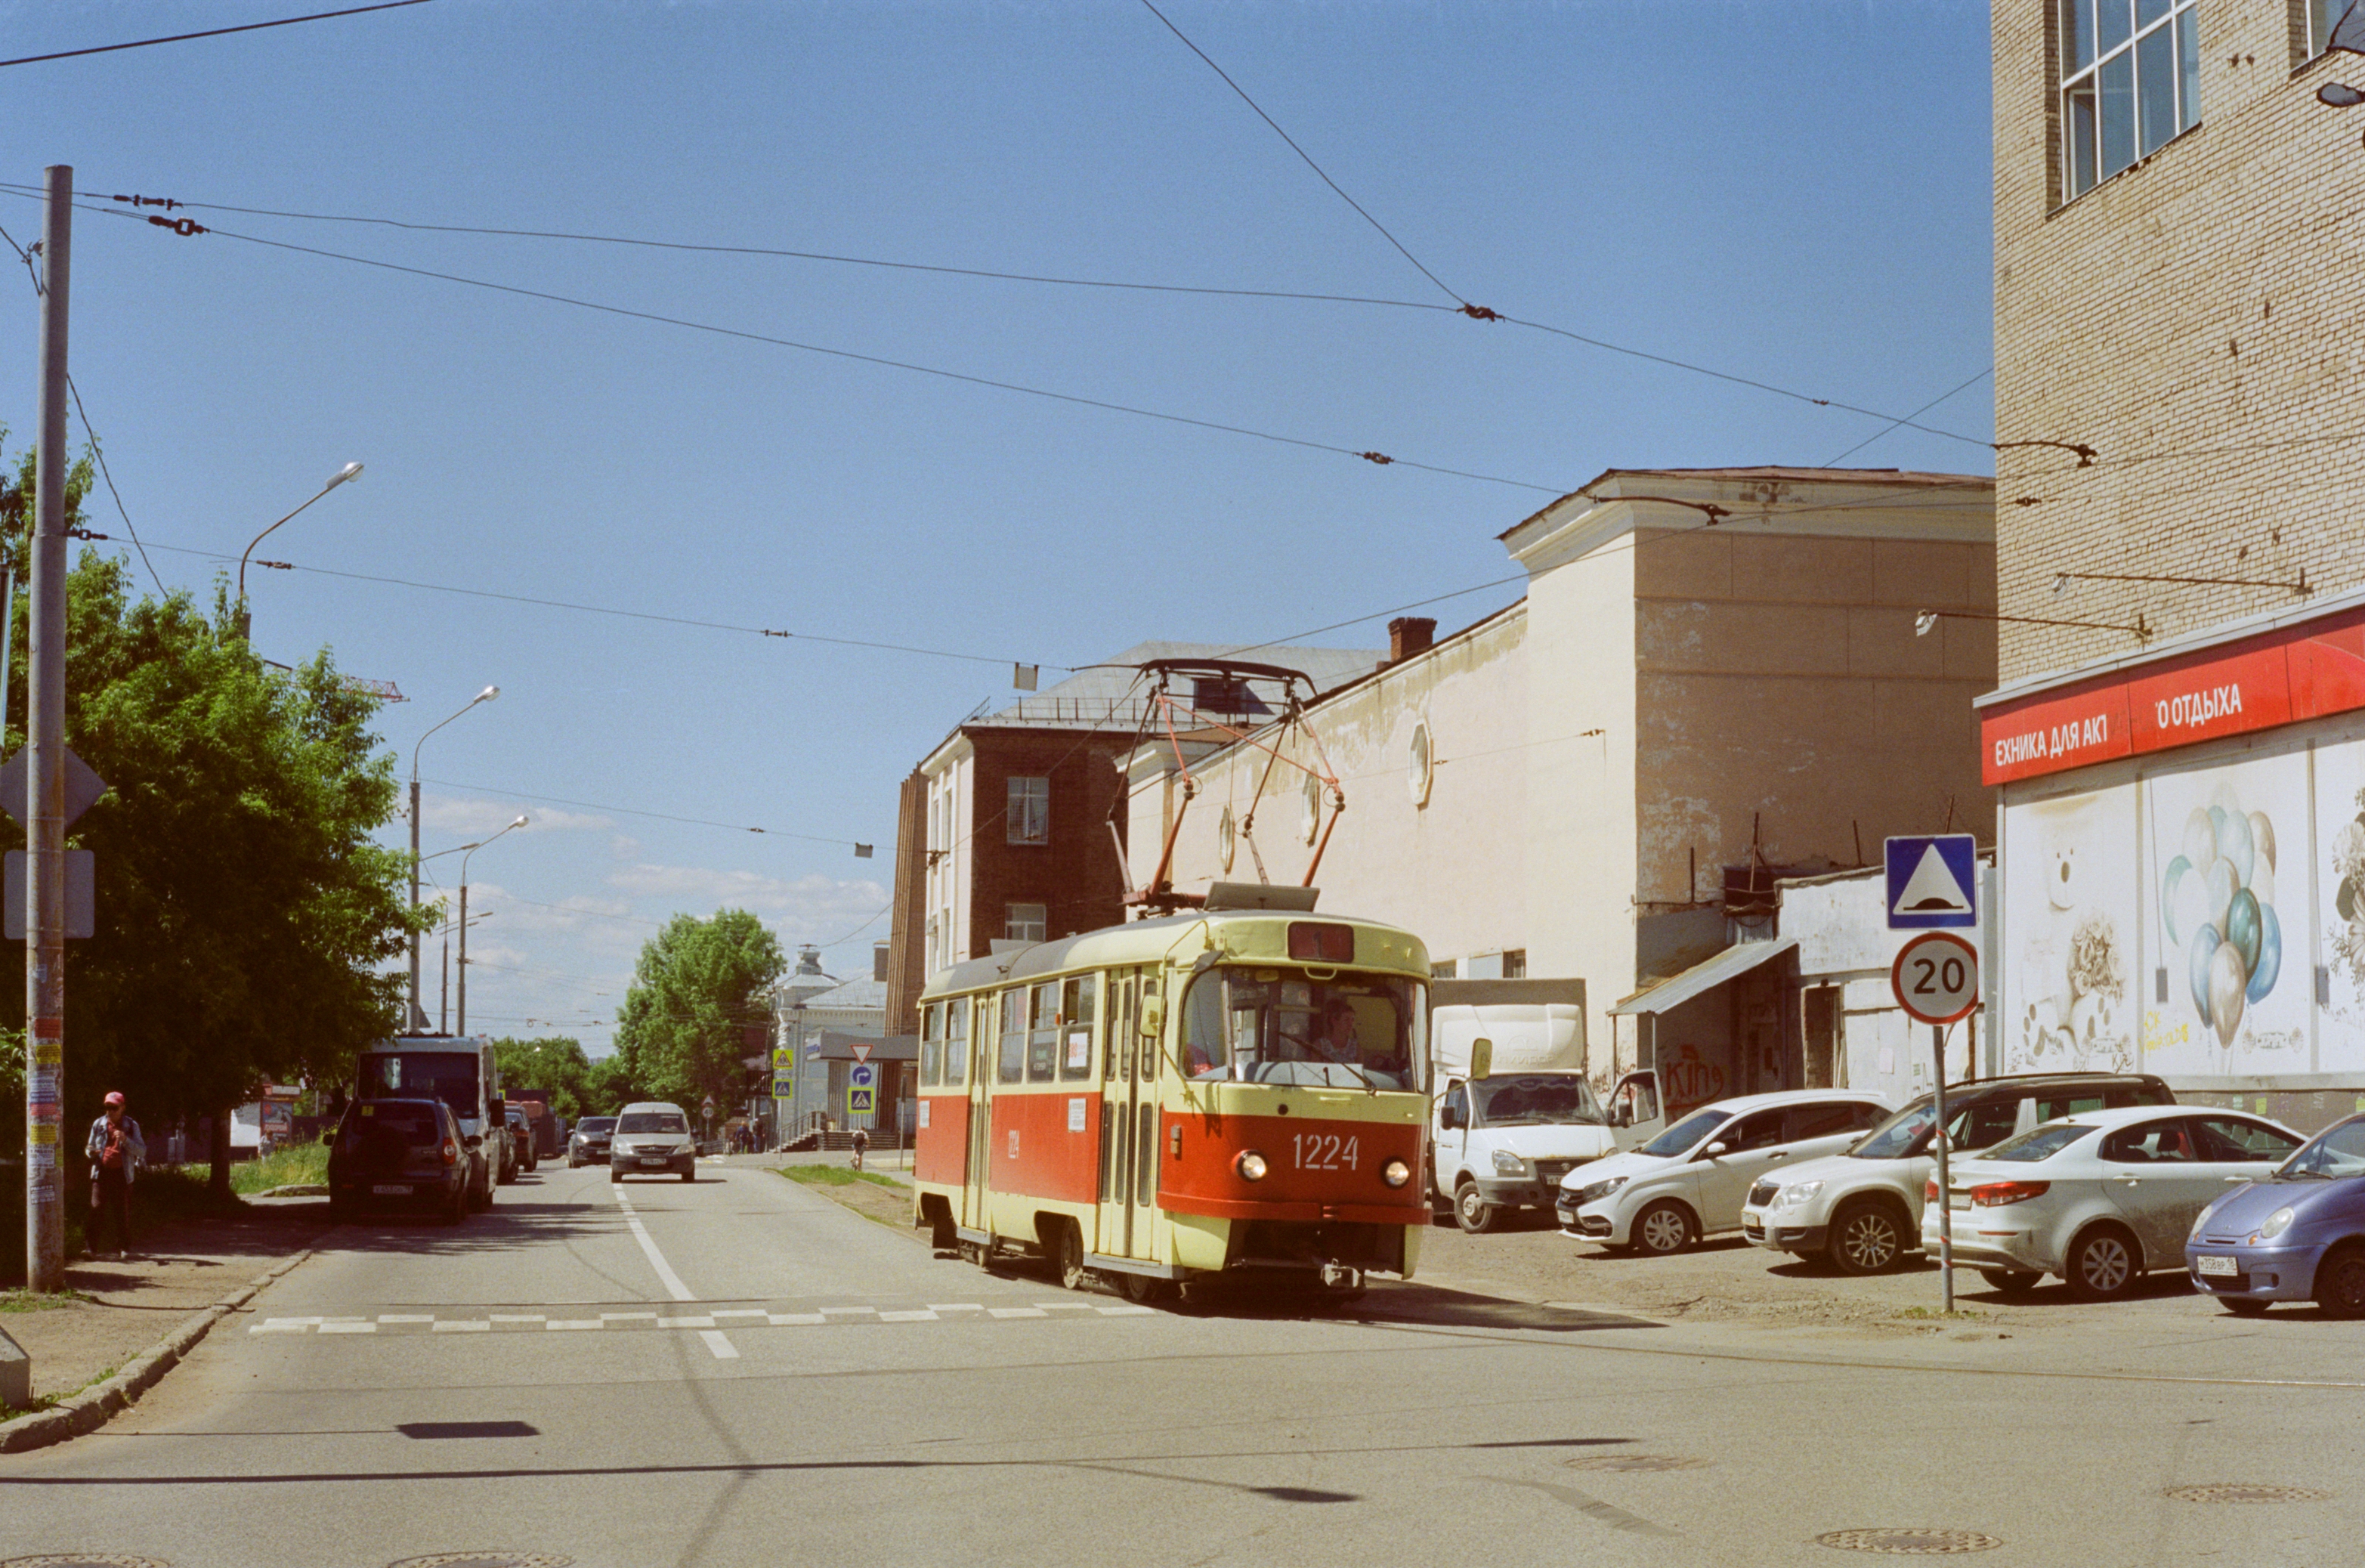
x=116 y=1150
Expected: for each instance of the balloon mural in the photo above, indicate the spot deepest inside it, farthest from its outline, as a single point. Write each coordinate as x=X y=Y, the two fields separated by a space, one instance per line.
x=2217 y=906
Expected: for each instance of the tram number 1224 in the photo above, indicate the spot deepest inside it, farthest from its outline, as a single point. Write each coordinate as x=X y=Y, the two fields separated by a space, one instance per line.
x=1324 y=1151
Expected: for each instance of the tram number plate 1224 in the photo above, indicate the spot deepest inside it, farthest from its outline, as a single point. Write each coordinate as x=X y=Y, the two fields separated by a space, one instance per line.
x=1324 y=1151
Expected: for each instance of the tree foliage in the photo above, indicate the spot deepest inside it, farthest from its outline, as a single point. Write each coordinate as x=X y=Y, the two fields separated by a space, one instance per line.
x=557 y=1064
x=244 y=914
x=697 y=987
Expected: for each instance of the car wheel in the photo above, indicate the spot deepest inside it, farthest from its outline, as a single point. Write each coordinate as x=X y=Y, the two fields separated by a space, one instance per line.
x=1142 y=1288
x=615 y=1176
x=1867 y=1237
x=2104 y=1264
x=1666 y=1226
x=2242 y=1305
x=2340 y=1282
x=1473 y=1214
x=689 y=1173
x=2010 y=1281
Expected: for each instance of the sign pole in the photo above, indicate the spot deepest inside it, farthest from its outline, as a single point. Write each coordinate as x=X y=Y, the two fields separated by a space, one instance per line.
x=1946 y=1209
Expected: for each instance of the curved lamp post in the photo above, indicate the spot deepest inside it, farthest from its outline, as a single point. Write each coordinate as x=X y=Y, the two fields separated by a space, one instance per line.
x=418 y=1014
x=464 y=923
x=350 y=471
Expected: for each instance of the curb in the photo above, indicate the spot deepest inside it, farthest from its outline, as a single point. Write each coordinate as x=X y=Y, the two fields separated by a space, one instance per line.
x=93 y=1407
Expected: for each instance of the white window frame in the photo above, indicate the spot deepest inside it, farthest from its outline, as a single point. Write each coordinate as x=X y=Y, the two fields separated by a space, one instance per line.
x=1025 y=923
x=1027 y=816
x=2084 y=159
x=2322 y=16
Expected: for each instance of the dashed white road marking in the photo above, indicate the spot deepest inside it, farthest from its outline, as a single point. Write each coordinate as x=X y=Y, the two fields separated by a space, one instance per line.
x=462 y=1326
x=703 y=1323
x=713 y=1337
x=1017 y=1312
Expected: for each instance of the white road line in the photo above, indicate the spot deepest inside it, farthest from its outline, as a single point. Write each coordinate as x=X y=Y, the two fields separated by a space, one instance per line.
x=556 y=1324
x=348 y=1327
x=699 y=1322
x=1018 y=1312
x=521 y=1317
x=956 y=1306
x=846 y=1311
x=785 y=1319
x=405 y=1318
x=741 y=1312
x=462 y=1325
x=723 y=1348
x=626 y=1316
x=908 y=1318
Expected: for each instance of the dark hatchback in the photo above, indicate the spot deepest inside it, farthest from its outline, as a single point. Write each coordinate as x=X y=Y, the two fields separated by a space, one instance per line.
x=399 y=1155
x=590 y=1144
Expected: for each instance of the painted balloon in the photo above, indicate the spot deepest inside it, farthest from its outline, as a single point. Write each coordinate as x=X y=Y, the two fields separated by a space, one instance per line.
x=2262 y=836
x=2205 y=942
x=2171 y=886
x=2263 y=881
x=2234 y=846
x=2270 y=953
x=2242 y=930
x=2227 y=979
x=2200 y=838
x=2219 y=879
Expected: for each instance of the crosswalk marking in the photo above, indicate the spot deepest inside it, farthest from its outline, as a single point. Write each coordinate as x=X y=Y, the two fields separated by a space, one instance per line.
x=703 y=1323
x=1018 y=1312
x=907 y=1317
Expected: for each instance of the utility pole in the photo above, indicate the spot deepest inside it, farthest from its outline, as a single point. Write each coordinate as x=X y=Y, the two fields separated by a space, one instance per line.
x=45 y=840
x=417 y=1022
x=463 y=954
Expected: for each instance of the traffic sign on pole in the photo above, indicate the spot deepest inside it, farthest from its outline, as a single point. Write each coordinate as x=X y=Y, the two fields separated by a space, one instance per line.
x=861 y=1050
x=1936 y=977
x=860 y=1102
x=862 y=1075
x=1934 y=881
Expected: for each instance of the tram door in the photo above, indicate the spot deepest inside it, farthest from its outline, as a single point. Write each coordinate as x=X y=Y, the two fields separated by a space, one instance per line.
x=984 y=1023
x=1123 y=1233
x=1151 y=1068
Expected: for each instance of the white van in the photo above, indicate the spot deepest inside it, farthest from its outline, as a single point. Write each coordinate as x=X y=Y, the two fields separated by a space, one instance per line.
x=1514 y=1112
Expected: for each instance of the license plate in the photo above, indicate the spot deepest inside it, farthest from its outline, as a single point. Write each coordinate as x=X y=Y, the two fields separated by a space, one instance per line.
x=2210 y=1264
x=388 y=1190
x=654 y=1160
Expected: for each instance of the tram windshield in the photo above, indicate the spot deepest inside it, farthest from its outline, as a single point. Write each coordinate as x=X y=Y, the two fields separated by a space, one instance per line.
x=1257 y=1026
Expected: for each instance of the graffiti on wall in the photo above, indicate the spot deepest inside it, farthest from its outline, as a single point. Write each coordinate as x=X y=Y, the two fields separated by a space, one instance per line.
x=2068 y=929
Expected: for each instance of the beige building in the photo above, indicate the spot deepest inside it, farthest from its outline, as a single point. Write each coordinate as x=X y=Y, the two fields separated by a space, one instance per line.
x=1710 y=670
x=2177 y=741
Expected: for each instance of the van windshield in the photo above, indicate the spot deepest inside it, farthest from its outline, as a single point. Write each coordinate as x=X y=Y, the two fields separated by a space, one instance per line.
x=448 y=1075
x=654 y=1122
x=1535 y=1099
x=1350 y=1031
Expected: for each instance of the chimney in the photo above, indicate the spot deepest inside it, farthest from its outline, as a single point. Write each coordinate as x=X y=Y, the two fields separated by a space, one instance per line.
x=878 y=951
x=1409 y=635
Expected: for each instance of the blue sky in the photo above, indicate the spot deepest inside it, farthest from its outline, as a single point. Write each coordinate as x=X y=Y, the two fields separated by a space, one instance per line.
x=1792 y=190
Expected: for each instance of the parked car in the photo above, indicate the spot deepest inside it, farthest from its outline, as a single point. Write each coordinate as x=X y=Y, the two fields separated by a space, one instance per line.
x=2100 y=1198
x=407 y=1155
x=1504 y=1143
x=1861 y=1211
x=2296 y=1234
x=590 y=1144
x=653 y=1137
x=522 y=1138
x=1689 y=1182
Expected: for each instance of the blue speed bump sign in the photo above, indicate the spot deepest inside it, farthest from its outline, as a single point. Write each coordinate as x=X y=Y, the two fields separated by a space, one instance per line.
x=1933 y=882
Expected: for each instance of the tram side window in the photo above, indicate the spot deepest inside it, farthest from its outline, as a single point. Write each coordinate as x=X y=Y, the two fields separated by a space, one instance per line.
x=932 y=1045
x=1043 y=1044
x=1013 y=1035
x=957 y=1043
x=1121 y=1031
x=1078 y=1009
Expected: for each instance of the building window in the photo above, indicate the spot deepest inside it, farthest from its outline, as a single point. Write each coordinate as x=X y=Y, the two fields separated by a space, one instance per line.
x=1444 y=969
x=1029 y=816
x=2130 y=83
x=1025 y=921
x=2323 y=16
x=1515 y=964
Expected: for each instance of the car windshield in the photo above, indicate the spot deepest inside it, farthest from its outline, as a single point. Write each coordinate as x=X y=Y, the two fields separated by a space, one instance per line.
x=1257 y=1026
x=1685 y=1133
x=596 y=1125
x=2039 y=1143
x=654 y=1122
x=448 y=1075
x=1558 y=1099
x=2331 y=1154
x=1902 y=1134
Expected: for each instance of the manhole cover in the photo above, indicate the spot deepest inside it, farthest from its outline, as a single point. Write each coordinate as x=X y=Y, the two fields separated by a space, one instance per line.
x=1909 y=1542
x=481 y=1559
x=2243 y=1493
x=81 y=1560
x=1634 y=1461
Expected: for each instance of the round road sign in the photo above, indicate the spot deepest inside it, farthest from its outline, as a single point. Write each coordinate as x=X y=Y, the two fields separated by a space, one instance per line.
x=1936 y=977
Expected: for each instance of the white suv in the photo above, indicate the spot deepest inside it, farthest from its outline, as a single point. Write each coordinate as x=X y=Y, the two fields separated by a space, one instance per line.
x=652 y=1138
x=1689 y=1180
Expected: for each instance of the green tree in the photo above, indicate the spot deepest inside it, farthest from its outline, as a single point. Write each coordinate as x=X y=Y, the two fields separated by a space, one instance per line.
x=555 y=1064
x=699 y=984
x=244 y=913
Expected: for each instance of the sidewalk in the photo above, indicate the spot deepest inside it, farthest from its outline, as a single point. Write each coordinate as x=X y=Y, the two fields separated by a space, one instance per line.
x=179 y=1269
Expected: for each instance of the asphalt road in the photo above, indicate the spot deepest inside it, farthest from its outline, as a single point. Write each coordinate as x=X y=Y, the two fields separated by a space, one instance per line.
x=742 y=1372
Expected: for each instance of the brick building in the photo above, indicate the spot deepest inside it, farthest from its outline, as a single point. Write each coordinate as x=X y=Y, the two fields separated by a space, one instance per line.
x=2177 y=737
x=1012 y=828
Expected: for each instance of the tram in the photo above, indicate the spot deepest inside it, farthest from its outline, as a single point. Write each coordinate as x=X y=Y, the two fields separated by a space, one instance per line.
x=1231 y=1089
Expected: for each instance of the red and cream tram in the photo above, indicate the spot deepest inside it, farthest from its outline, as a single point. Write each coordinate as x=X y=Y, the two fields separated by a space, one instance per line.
x=1226 y=1089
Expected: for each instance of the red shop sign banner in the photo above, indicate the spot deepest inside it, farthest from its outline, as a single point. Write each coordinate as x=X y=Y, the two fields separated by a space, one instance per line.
x=2260 y=683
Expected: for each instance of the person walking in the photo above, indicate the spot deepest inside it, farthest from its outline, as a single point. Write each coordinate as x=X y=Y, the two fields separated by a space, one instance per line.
x=116 y=1150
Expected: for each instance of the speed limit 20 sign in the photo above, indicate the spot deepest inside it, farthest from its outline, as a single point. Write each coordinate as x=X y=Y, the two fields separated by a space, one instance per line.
x=1936 y=977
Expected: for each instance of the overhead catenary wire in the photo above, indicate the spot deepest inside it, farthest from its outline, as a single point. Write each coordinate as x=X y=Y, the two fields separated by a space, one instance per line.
x=211 y=33
x=635 y=811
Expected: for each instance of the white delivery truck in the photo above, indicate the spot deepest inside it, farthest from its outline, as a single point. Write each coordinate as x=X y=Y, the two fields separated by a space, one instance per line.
x=1513 y=1112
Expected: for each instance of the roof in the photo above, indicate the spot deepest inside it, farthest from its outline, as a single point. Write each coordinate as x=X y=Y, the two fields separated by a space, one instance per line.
x=1730 y=964
x=1105 y=693
x=1887 y=478
x=854 y=995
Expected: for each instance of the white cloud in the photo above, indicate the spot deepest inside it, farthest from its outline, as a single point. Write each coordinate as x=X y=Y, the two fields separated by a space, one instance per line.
x=475 y=818
x=810 y=908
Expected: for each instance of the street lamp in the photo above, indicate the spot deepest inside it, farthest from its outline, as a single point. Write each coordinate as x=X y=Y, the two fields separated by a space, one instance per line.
x=418 y=1014
x=350 y=471
x=464 y=921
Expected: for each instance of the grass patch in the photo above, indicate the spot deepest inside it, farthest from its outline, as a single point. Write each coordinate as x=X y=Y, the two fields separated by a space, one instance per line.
x=832 y=1176
x=39 y=1301
x=303 y=1163
x=51 y=1401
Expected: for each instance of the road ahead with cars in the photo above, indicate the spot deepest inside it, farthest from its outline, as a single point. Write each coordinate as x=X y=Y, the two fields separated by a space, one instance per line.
x=738 y=1370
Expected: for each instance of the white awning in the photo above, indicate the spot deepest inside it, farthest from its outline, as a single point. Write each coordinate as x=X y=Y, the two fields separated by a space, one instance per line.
x=1676 y=990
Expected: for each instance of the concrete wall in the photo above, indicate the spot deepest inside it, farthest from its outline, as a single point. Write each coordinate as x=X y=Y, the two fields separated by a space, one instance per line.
x=2193 y=320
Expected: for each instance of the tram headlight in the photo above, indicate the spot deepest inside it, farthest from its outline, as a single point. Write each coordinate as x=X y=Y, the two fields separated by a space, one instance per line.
x=1251 y=1165
x=1396 y=1173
